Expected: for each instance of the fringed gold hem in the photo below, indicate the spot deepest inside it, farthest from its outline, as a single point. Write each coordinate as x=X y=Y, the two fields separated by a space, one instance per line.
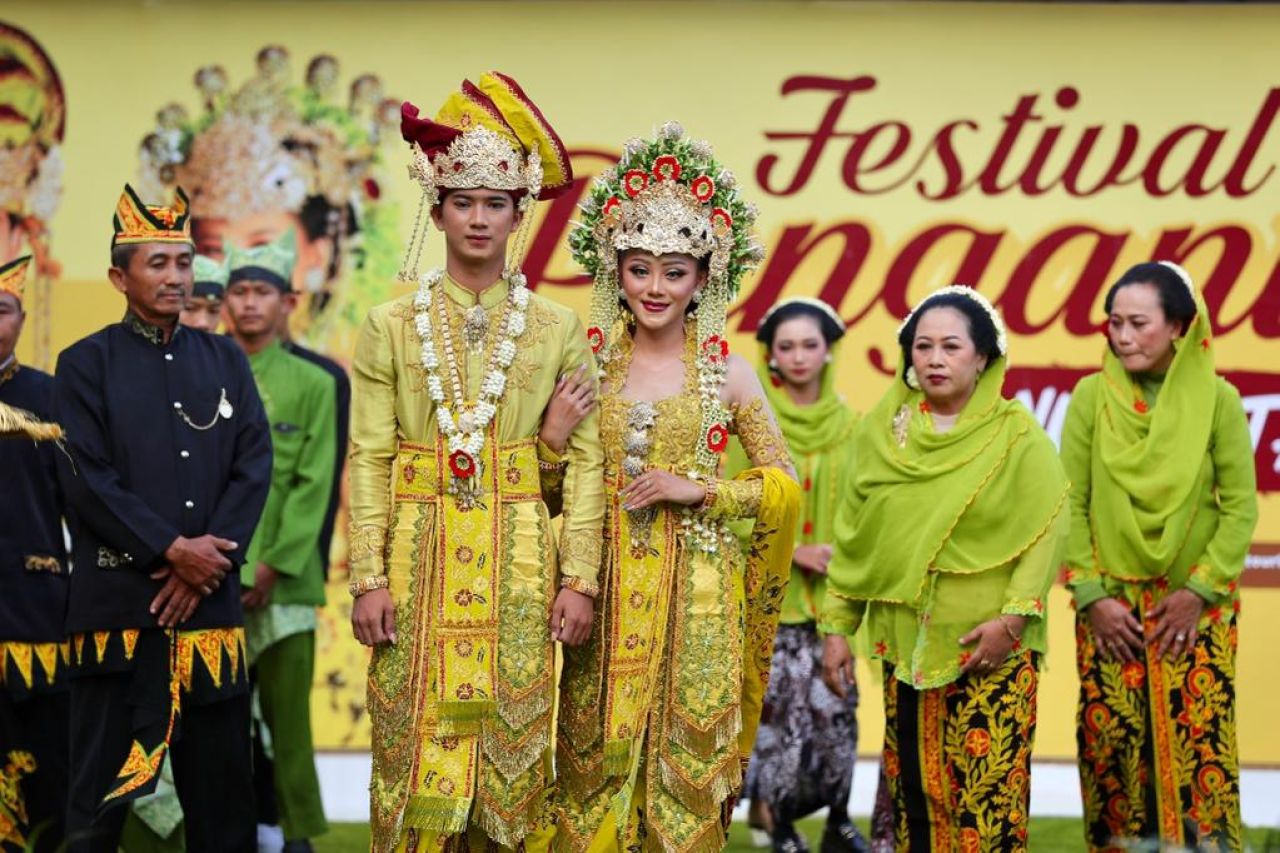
x=442 y=815
x=712 y=839
x=463 y=718
x=507 y=829
x=705 y=795
x=582 y=780
x=519 y=712
x=511 y=758
x=705 y=742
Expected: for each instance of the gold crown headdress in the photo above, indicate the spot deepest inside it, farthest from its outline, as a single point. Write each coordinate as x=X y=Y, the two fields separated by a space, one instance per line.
x=269 y=145
x=668 y=195
x=489 y=135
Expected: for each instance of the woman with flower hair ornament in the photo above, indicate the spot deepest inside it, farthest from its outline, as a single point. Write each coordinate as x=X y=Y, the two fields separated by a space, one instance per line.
x=461 y=587
x=948 y=583
x=659 y=709
x=1163 y=506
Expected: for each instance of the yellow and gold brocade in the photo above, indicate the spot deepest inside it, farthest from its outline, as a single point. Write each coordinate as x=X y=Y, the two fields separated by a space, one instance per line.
x=659 y=710
x=461 y=704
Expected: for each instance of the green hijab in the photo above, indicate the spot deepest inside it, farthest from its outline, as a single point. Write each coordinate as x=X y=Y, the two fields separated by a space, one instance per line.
x=965 y=501
x=816 y=428
x=1149 y=462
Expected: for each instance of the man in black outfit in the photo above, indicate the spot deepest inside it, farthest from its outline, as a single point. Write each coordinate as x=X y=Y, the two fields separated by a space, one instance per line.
x=168 y=468
x=33 y=601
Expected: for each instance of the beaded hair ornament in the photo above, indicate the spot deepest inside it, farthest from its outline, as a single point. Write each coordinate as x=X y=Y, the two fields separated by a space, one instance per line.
x=1002 y=336
x=669 y=195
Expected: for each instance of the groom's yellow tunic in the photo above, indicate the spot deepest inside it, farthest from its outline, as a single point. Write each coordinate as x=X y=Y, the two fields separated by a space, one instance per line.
x=461 y=704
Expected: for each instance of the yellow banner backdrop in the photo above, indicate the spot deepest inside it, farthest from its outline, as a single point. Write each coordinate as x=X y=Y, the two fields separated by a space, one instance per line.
x=1033 y=151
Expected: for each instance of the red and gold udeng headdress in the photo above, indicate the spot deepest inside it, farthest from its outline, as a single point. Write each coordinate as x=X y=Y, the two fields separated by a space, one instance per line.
x=488 y=135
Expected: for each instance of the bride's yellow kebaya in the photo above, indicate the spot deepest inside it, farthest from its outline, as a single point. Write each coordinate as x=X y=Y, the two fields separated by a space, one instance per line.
x=659 y=709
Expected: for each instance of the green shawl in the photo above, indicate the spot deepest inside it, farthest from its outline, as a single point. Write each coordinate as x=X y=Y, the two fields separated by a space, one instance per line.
x=964 y=501
x=819 y=437
x=1149 y=462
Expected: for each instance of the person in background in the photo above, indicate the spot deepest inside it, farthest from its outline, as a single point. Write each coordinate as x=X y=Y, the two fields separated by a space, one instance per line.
x=947 y=541
x=33 y=604
x=204 y=306
x=1163 y=506
x=167 y=468
x=342 y=432
x=283 y=574
x=805 y=751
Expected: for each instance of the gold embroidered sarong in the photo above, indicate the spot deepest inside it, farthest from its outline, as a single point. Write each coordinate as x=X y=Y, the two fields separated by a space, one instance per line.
x=659 y=709
x=461 y=704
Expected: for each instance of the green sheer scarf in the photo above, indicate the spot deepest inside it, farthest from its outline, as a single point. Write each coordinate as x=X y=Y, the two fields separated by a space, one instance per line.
x=818 y=427
x=965 y=501
x=819 y=437
x=1149 y=462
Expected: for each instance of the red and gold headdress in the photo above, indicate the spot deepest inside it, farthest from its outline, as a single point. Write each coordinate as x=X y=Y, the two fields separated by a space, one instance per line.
x=489 y=135
x=669 y=195
x=136 y=222
x=32 y=122
x=13 y=276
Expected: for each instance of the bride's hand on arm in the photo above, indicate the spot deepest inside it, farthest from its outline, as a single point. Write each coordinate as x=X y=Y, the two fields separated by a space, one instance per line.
x=658 y=486
x=572 y=401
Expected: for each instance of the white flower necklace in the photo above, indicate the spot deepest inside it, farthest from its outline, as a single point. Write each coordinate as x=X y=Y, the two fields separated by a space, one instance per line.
x=465 y=436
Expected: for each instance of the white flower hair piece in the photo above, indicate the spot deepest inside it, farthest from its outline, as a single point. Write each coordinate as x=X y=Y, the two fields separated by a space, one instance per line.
x=1002 y=337
x=1182 y=274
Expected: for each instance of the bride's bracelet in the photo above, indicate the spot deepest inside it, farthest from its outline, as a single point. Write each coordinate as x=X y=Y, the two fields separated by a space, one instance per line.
x=358 y=588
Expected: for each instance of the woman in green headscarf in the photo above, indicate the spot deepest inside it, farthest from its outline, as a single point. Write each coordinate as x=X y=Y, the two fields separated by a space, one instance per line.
x=1163 y=506
x=804 y=754
x=947 y=541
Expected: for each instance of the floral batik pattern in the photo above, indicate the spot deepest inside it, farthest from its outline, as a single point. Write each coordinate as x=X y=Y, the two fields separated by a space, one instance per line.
x=958 y=759
x=1157 y=740
x=804 y=754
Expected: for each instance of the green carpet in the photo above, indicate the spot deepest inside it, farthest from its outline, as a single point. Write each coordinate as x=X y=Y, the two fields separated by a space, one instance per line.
x=1048 y=835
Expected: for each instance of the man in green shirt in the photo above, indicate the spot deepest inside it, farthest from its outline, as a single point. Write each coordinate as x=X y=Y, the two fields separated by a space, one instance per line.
x=283 y=565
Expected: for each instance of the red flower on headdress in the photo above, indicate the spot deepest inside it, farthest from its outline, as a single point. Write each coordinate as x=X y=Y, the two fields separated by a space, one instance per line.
x=595 y=337
x=703 y=188
x=721 y=221
x=717 y=438
x=634 y=182
x=716 y=349
x=461 y=464
x=1140 y=406
x=609 y=205
x=666 y=168
x=372 y=190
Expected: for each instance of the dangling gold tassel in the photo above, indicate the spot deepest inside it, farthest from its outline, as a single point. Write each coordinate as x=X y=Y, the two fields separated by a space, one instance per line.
x=17 y=423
